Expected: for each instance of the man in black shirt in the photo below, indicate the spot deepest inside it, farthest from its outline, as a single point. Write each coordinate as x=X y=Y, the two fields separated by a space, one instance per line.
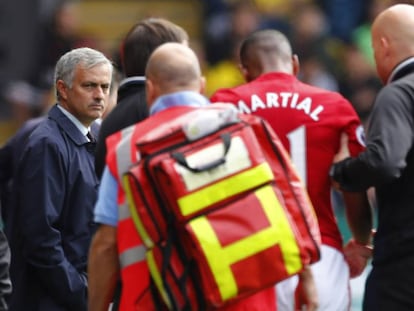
x=136 y=48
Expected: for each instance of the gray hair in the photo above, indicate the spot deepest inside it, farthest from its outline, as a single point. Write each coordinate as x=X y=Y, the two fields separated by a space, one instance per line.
x=87 y=57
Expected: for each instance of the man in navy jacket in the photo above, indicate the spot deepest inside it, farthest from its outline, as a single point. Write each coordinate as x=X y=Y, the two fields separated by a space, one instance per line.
x=54 y=190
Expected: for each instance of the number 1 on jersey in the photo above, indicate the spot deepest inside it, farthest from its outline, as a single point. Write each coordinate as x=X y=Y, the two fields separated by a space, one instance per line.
x=297 y=141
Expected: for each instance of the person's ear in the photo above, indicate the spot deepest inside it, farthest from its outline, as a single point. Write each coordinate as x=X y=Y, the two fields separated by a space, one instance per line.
x=385 y=45
x=244 y=72
x=61 y=89
x=149 y=92
x=202 y=85
x=295 y=64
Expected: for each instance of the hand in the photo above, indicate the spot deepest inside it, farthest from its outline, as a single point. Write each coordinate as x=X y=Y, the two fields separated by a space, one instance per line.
x=306 y=293
x=357 y=256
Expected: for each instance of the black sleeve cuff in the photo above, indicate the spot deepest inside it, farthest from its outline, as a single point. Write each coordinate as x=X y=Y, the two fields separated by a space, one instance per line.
x=338 y=174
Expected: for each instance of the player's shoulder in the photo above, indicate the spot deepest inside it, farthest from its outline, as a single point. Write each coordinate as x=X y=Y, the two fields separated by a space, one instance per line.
x=325 y=93
x=328 y=98
x=224 y=94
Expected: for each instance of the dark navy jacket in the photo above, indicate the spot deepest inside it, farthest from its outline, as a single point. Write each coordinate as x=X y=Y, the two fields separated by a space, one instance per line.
x=50 y=225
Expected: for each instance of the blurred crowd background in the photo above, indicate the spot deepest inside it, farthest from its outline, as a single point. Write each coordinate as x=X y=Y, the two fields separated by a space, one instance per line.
x=331 y=38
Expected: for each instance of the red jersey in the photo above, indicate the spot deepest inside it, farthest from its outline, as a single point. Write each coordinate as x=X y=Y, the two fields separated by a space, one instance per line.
x=309 y=121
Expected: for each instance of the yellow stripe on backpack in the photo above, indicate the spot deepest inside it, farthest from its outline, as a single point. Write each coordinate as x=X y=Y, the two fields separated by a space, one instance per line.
x=249 y=179
x=221 y=258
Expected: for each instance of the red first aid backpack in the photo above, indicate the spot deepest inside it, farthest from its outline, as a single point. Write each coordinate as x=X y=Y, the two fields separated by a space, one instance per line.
x=219 y=208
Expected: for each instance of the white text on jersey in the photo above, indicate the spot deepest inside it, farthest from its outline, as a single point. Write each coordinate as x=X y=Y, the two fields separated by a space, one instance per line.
x=281 y=100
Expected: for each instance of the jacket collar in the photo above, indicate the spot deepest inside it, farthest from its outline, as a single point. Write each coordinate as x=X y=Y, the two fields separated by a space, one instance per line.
x=404 y=68
x=136 y=80
x=69 y=127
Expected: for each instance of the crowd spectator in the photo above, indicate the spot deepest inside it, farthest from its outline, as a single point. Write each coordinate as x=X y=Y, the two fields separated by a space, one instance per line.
x=58 y=34
x=344 y=16
x=325 y=56
x=358 y=82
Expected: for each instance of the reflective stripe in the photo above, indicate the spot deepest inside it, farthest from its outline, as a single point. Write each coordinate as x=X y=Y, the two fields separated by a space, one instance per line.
x=123 y=212
x=156 y=275
x=220 y=259
x=224 y=189
x=134 y=214
x=132 y=255
x=123 y=151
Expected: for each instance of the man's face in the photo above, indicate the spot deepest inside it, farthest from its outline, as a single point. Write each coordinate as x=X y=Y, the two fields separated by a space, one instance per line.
x=89 y=94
